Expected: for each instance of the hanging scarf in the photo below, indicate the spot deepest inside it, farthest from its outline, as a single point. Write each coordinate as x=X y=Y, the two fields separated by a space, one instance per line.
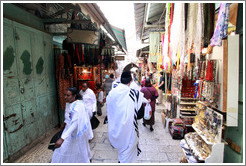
x=178 y=30
x=208 y=12
x=165 y=49
x=191 y=23
x=222 y=25
x=199 y=31
x=154 y=46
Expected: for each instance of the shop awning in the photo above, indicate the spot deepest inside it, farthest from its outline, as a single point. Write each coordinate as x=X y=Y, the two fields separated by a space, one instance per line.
x=120 y=35
x=148 y=17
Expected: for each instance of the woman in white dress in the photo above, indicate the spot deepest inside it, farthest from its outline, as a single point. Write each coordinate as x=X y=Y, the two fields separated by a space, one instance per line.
x=73 y=146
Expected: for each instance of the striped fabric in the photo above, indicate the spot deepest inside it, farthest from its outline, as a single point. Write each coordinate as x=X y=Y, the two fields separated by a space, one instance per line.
x=134 y=95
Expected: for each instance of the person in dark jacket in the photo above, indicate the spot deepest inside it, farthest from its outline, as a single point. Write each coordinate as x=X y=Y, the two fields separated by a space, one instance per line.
x=151 y=93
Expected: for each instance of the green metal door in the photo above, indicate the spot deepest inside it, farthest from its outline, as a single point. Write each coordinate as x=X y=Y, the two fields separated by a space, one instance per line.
x=29 y=86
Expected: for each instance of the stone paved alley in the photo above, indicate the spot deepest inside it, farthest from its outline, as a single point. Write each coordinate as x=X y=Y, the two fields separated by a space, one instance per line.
x=157 y=146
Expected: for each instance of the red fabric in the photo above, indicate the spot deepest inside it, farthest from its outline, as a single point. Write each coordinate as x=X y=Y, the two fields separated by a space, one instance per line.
x=209 y=72
x=82 y=54
x=63 y=82
x=77 y=53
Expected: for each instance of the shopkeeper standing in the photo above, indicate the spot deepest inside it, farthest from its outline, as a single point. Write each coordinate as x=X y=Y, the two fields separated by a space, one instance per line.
x=89 y=99
x=161 y=89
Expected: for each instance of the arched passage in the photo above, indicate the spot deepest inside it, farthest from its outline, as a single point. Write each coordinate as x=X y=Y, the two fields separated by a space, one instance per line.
x=129 y=67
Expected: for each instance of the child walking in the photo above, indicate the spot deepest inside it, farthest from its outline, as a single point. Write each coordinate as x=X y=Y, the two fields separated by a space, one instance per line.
x=99 y=100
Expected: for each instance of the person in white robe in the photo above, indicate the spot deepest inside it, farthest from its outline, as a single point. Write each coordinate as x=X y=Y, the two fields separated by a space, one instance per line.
x=73 y=146
x=134 y=84
x=122 y=107
x=117 y=80
x=89 y=99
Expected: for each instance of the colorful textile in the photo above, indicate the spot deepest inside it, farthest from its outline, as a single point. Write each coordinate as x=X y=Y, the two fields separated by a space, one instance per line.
x=208 y=11
x=222 y=25
x=199 y=31
x=191 y=23
x=178 y=30
x=165 y=48
x=154 y=46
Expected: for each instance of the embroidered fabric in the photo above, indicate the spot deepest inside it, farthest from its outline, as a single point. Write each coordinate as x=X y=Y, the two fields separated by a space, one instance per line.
x=222 y=25
x=178 y=30
x=191 y=23
x=154 y=46
x=199 y=31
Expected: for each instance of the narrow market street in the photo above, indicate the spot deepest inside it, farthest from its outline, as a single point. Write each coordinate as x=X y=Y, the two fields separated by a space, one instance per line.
x=80 y=82
x=157 y=146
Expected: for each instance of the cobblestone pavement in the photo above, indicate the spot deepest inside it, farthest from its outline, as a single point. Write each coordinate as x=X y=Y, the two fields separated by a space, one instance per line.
x=157 y=146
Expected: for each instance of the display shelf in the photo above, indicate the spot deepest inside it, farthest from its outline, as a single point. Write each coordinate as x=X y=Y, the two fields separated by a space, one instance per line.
x=185 y=154
x=187 y=116
x=203 y=137
x=187 y=109
x=195 y=150
x=205 y=143
x=183 y=103
x=215 y=155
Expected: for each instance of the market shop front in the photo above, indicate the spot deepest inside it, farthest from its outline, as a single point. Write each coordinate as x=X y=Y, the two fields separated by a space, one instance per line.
x=202 y=71
x=46 y=49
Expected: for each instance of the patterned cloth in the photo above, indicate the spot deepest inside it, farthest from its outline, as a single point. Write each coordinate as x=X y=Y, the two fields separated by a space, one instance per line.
x=222 y=25
x=154 y=46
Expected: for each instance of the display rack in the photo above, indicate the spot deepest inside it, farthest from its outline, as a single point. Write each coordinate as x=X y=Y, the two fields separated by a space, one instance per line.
x=186 y=110
x=205 y=143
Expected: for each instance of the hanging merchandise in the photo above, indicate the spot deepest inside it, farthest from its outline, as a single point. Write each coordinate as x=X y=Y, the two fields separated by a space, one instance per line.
x=220 y=31
x=64 y=79
x=209 y=72
x=208 y=11
x=154 y=46
x=191 y=23
x=165 y=48
x=169 y=35
x=178 y=30
x=199 y=30
x=160 y=58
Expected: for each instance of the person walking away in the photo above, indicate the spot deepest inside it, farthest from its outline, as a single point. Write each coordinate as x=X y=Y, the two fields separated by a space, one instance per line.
x=108 y=83
x=73 y=146
x=117 y=80
x=161 y=89
x=134 y=85
x=122 y=106
x=99 y=100
x=143 y=82
x=89 y=99
x=150 y=93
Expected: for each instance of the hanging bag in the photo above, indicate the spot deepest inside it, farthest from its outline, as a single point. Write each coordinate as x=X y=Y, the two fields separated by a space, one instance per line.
x=147 y=112
x=94 y=122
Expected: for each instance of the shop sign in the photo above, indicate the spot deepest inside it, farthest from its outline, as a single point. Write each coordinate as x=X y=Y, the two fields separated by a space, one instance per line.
x=119 y=58
x=84 y=36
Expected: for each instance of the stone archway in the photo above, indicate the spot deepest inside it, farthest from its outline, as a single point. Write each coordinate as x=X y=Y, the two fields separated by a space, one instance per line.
x=129 y=67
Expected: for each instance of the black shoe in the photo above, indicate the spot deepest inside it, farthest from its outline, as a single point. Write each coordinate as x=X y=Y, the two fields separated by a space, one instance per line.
x=151 y=129
x=144 y=124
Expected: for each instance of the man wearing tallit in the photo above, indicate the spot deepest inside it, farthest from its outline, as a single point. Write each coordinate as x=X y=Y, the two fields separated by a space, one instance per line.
x=122 y=106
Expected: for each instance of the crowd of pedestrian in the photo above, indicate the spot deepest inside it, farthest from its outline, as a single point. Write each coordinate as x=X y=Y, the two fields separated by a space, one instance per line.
x=125 y=98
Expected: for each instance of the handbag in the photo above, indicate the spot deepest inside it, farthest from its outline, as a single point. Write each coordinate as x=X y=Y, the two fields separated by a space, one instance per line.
x=140 y=113
x=54 y=139
x=147 y=112
x=94 y=122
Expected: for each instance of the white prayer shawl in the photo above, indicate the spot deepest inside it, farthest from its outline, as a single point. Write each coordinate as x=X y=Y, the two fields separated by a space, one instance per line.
x=116 y=83
x=90 y=101
x=121 y=130
x=135 y=86
x=77 y=132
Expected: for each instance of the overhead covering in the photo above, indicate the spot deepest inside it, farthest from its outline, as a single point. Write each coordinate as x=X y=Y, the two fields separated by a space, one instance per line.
x=148 y=17
x=120 y=35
